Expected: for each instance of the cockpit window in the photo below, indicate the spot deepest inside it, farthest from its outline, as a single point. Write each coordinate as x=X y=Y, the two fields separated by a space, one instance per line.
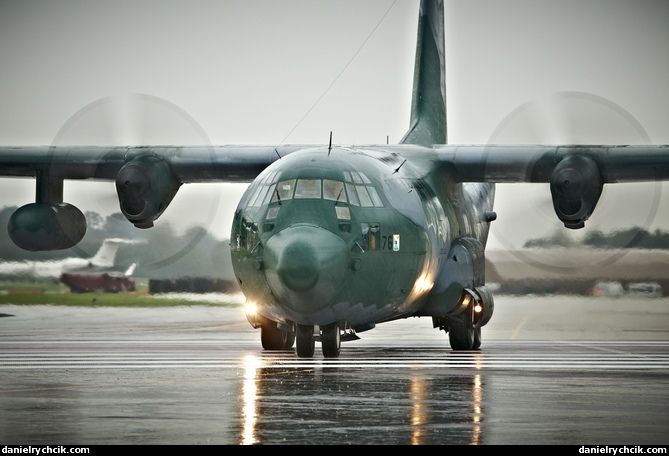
x=365 y=200
x=261 y=195
x=284 y=191
x=361 y=193
x=270 y=177
x=272 y=212
x=334 y=190
x=270 y=193
x=356 y=177
x=352 y=194
x=308 y=188
x=258 y=195
x=343 y=212
x=376 y=199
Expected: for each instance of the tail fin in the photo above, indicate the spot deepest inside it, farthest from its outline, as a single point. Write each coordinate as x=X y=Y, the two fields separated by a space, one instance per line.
x=131 y=270
x=428 y=105
x=106 y=256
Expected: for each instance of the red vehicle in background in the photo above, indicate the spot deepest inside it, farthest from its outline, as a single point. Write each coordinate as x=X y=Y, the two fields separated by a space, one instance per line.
x=108 y=282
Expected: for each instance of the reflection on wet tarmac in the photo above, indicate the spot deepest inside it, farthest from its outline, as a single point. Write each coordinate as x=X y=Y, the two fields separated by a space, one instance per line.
x=197 y=376
x=419 y=414
x=313 y=404
x=250 y=392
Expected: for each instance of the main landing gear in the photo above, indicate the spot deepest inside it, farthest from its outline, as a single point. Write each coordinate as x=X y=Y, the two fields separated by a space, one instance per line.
x=274 y=338
x=463 y=332
x=464 y=329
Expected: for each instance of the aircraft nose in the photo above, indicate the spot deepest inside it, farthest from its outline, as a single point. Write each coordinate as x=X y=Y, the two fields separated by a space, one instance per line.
x=305 y=266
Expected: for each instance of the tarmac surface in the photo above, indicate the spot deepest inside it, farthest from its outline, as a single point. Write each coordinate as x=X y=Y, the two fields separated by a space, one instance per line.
x=551 y=370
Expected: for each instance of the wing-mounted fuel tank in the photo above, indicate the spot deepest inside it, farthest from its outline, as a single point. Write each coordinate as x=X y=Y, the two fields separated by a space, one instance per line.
x=48 y=223
x=576 y=185
x=43 y=226
x=145 y=187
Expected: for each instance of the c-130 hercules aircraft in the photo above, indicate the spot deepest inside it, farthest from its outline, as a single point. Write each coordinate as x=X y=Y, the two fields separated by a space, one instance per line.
x=328 y=241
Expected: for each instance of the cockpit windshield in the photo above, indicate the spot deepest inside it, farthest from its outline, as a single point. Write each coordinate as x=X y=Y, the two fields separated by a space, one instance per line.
x=357 y=190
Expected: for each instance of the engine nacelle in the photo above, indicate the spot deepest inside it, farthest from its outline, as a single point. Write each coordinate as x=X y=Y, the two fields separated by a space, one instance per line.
x=145 y=187
x=576 y=185
x=42 y=226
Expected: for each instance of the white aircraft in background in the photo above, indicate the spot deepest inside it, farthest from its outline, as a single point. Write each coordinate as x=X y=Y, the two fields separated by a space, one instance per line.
x=53 y=269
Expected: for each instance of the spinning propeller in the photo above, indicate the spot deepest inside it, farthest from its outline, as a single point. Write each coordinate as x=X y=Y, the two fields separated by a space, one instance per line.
x=528 y=211
x=144 y=187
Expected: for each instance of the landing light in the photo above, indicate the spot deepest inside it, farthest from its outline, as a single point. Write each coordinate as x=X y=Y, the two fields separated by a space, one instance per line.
x=478 y=308
x=250 y=308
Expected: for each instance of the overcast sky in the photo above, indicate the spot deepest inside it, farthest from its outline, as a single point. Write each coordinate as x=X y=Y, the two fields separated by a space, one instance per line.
x=281 y=72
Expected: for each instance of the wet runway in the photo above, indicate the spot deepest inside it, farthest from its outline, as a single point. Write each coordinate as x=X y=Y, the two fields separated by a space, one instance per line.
x=551 y=371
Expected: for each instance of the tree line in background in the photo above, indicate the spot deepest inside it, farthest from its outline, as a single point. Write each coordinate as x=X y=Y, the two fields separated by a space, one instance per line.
x=160 y=252
x=632 y=238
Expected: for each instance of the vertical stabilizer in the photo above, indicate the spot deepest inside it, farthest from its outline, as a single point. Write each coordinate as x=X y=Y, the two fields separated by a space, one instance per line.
x=428 y=104
x=106 y=256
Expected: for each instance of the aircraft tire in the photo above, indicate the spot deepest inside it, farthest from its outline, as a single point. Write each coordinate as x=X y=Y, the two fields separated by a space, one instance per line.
x=461 y=331
x=306 y=343
x=477 y=338
x=331 y=340
x=273 y=338
x=290 y=340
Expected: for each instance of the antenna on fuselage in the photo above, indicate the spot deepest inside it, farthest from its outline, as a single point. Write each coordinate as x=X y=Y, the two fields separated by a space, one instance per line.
x=397 y=170
x=330 y=145
x=277 y=153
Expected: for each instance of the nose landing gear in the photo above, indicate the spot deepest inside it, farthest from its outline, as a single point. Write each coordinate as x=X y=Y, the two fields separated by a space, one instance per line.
x=329 y=335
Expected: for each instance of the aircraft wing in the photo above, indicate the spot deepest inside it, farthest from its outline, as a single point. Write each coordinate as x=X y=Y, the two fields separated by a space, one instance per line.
x=241 y=163
x=576 y=173
x=148 y=177
x=186 y=163
x=546 y=163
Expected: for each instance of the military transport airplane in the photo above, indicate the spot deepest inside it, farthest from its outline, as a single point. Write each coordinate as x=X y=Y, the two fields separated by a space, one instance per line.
x=330 y=240
x=104 y=258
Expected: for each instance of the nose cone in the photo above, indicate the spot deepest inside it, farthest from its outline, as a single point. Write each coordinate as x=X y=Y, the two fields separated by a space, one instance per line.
x=305 y=266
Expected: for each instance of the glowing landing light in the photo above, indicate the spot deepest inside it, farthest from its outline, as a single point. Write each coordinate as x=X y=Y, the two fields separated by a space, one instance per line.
x=251 y=311
x=250 y=308
x=478 y=308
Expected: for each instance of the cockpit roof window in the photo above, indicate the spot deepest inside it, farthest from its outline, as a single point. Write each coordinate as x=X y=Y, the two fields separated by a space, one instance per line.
x=270 y=177
x=270 y=194
x=376 y=199
x=260 y=197
x=365 y=200
x=352 y=194
x=254 y=196
x=356 y=177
